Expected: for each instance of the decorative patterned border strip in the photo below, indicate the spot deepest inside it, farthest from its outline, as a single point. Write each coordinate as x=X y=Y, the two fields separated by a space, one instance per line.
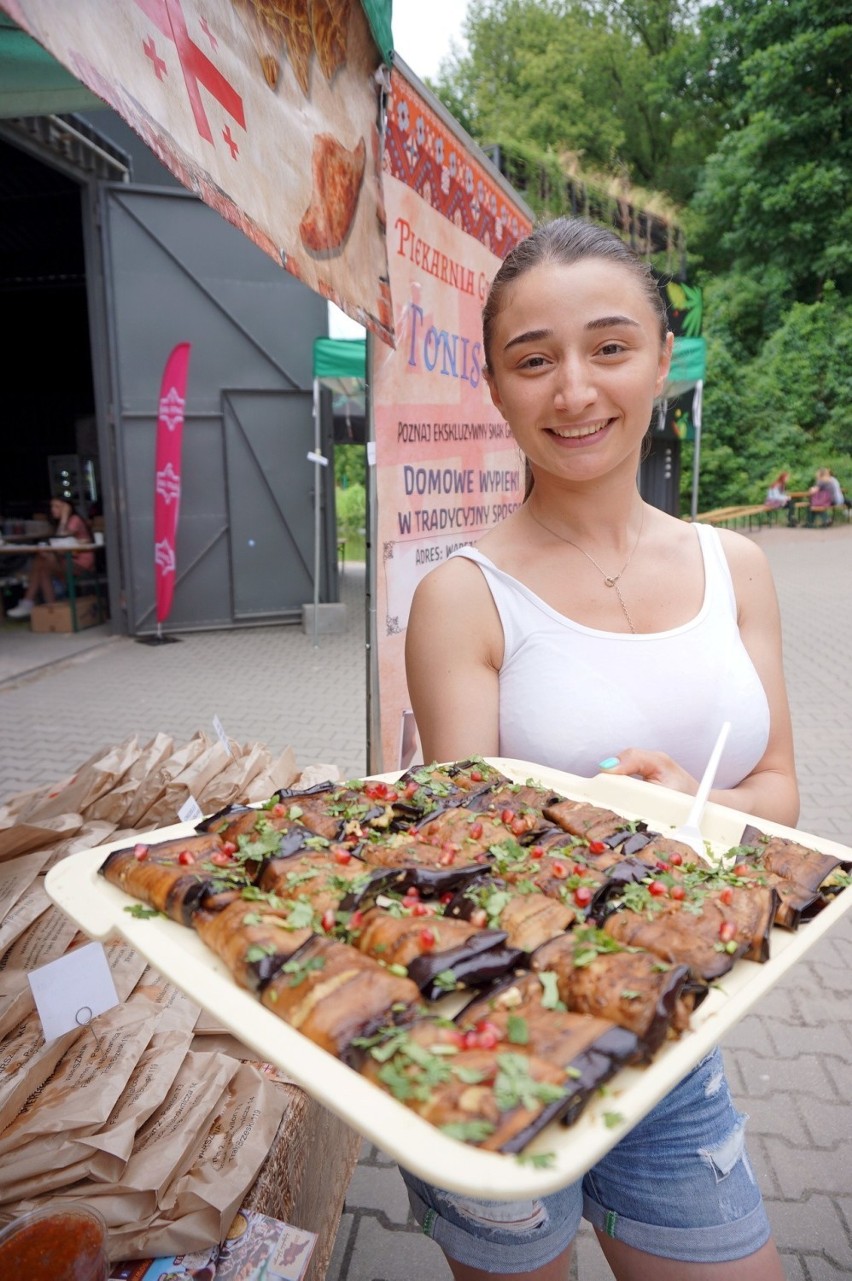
x=421 y=151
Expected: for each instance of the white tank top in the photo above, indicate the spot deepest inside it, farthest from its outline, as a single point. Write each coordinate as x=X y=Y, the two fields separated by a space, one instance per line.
x=570 y=695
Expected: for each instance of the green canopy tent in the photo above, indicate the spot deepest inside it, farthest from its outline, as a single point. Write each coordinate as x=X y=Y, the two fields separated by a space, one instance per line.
x=340 y=365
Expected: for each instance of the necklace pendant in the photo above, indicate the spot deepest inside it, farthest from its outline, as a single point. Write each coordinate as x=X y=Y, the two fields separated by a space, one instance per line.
x=610 y=582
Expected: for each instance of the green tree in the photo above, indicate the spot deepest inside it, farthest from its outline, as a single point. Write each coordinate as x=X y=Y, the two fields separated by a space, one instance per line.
x=778 y=189
x=611 y=83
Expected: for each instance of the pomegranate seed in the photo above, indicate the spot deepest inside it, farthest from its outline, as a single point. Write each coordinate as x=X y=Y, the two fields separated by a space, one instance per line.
x=582 y=896
x=186 y=857
x=427 y=938
x=475 y=831
x=471 y=1040
x=579 y=870
x=412 y=892
x=486 y=1040
x=507 y=815
x=677 y=892
x=410 y=789
x=676 y=859
x=597 y=847
x=518 y=826
x=661 y=866
x=279 y=810
x=140 y=852
x=221 y=859
x=421 y=909
x=657 y=888
x=327 y=920
x=446 y=898
x=356 y=920
x=476 y=775
x=727 y=931
x=727 y=896
x=559 y=870
x=342 y=856
x=392 y=795
x=479 y=918
x=742 y=869
x=228 y=847
x=447 y=858
x=537 y=851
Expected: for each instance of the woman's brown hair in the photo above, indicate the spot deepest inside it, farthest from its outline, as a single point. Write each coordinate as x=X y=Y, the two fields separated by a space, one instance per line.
x=566 y=241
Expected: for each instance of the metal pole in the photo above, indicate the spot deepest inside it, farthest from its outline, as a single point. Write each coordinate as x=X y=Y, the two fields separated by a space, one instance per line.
x=317 y=509
x=696 y=454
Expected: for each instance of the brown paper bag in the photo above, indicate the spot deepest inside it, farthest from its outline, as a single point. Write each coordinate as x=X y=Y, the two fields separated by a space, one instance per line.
x=23 y=837
x=281 y=772
x=79 y=1095
x=47 y=1164
x=176 y=1009
x=46 y=939
x=26 y=1062
x=199 y=1206
x=23 y=910
x=116 y=804
x=143 y=813
x=98 y=775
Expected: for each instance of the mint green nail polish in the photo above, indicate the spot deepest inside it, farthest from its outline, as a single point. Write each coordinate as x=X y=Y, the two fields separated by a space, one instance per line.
x=609 y=763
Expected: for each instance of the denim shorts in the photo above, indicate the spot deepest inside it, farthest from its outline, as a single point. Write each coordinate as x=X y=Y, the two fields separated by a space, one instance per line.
x=679 y=1186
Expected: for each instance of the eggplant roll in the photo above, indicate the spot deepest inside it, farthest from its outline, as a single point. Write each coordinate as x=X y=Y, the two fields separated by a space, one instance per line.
x=520 y=1015
x=252 y=938
x=580 y=818
x=324 y=877
x=396 y=940
x=528 y=917
x=802 y=876
x=175 y=877
x=333 y=995
x=707 y=930
x=496 y=1099
x=632 y=988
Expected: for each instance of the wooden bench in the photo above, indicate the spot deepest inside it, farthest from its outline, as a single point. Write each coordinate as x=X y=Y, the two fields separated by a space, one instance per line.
x=746 y=514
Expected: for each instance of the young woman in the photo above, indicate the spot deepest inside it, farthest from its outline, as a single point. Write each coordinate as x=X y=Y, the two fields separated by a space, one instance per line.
x=46 y=571
x=590 y=631
x=777 y=496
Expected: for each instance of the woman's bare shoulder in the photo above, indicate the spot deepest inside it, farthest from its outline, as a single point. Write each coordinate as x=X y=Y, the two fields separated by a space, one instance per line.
x=451 y=583
x=742 y=554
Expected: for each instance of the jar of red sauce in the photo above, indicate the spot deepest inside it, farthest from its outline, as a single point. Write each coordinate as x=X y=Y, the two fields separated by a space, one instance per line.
x=61 y=1242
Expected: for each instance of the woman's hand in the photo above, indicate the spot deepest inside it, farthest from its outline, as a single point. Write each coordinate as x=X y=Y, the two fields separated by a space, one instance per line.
x=653 y=767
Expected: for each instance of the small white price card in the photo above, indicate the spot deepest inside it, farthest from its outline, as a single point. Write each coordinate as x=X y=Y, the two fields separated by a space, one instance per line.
x=72 y=990
x=190 y=811
x=222 y=736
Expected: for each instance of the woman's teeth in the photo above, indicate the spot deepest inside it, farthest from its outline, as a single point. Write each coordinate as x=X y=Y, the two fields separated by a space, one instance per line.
x=572 y=433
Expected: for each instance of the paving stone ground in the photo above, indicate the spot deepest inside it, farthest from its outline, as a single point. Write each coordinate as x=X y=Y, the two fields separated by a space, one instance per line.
x=789 y=1061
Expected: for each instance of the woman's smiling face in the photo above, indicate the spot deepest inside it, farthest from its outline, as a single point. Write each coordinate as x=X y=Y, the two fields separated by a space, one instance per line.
x=575 y=362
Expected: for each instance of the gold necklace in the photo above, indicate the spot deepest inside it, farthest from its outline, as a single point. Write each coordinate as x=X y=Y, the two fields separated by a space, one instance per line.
x=610 y=580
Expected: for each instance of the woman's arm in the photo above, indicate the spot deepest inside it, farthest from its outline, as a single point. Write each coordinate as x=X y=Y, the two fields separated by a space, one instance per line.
x=453 y=651
x=770 y=790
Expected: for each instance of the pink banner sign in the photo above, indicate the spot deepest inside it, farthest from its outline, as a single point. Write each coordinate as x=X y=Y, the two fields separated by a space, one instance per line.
x=170 y=413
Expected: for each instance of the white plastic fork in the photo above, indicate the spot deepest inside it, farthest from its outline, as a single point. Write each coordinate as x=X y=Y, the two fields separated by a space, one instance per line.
x=690 y=831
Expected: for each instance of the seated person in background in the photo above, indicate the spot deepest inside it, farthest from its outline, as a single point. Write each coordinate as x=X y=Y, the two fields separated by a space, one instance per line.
x=838 y=498
x=777 y=496
x=821 y=497
x=46 y=572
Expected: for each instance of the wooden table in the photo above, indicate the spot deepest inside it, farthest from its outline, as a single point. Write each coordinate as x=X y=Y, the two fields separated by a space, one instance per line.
x=10 y=548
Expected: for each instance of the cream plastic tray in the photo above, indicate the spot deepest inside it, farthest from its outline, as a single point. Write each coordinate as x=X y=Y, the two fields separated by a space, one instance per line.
x=179 y=955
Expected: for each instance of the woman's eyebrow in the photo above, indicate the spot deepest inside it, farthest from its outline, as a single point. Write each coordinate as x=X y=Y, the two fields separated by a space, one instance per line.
x=606 y=322
x=532 y=335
